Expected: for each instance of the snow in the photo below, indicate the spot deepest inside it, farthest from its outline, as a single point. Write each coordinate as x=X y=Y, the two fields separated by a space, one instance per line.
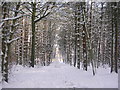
x=13 y=40
x=60 y=75
x=13 y=18
x=0 y=71
x=0 y=86
x=1 y=24
x=119 y=79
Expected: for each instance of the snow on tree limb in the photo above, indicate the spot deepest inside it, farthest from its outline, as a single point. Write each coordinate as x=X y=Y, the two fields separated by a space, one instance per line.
x=13 y=18
x=1 y=24
x=8 y=42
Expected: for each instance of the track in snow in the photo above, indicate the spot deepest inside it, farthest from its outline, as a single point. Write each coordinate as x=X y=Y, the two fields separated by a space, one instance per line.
x=59 y=75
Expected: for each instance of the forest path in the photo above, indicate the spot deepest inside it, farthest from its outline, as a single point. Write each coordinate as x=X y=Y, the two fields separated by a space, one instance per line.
x=59 y=75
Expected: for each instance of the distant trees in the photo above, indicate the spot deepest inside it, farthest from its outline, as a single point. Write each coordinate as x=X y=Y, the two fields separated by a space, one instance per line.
x=44 y=42
x=95 y=34
x=87 y=34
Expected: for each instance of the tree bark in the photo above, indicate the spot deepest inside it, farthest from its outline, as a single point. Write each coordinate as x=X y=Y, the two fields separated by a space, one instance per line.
x=33 y=34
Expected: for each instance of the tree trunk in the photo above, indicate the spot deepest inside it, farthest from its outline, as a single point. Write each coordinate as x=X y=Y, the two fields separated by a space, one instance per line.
x=116 y=38
x=33 y=34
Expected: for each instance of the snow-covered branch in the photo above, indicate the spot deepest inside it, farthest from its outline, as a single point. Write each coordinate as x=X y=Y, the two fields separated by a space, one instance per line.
x=1 y=24
x=8 y=42
x=13 y=18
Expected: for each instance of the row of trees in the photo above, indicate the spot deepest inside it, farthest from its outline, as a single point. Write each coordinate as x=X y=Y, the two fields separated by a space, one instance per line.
x=87 y=34
x=26 y=34
x=91 y=35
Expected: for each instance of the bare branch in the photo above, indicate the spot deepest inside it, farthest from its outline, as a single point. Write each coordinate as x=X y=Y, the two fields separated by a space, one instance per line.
x=13 y=18
x=42 y=17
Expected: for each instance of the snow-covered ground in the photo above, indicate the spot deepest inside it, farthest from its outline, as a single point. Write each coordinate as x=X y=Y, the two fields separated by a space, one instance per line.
x=119 y=79
x=0 y=80
x=0 y=86
x=60 y=75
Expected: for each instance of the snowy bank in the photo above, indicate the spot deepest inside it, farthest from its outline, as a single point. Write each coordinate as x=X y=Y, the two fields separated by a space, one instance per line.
x=59 y=75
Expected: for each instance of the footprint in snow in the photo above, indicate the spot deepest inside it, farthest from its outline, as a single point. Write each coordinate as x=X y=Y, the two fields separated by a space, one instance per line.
x=56 y=66
x=69 y=83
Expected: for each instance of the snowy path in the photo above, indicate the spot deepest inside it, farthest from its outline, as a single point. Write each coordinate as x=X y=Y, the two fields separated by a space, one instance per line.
x=59 y=75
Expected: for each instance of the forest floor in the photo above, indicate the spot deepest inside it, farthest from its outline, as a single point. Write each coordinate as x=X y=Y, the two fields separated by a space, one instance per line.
x=60 y=75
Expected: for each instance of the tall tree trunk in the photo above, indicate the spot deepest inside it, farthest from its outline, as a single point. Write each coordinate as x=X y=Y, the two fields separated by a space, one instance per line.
x=33 y=34
x=12 y=30
x=75 y=45
x=84 y=36
x=112 y=44
x=4 y=45
x=116 y=38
